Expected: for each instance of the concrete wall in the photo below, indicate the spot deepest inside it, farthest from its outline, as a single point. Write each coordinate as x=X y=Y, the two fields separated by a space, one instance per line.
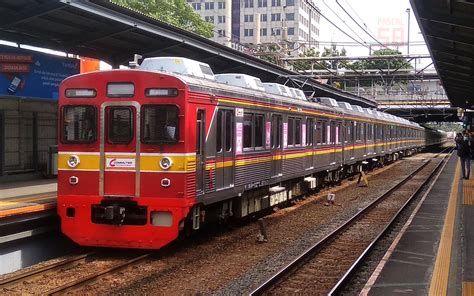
x=26 y=143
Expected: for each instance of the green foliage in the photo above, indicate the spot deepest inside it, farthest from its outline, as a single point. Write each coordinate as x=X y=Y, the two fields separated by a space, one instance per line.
x=334 y=52
x=174 y=12
x=391 y=64
x=306 y=65
x=327 y=52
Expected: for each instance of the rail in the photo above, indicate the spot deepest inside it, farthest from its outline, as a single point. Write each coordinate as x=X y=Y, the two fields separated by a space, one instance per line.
x=313 y=250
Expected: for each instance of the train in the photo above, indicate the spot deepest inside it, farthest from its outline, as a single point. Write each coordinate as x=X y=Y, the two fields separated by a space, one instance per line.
x=150 y=153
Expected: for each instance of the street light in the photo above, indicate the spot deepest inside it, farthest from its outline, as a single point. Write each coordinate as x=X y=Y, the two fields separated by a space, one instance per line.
x=408 y=43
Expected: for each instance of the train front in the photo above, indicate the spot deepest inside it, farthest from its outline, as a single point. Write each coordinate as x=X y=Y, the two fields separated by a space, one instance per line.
x=126 y=175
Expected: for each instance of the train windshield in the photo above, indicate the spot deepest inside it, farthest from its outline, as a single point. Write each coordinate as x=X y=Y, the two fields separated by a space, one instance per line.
x=160 y=124
x=79 y=124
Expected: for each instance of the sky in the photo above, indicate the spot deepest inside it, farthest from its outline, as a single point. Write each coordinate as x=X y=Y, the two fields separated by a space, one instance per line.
x=386 y=20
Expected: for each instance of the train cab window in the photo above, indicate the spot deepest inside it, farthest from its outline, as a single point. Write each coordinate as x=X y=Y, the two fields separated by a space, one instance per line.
x=79 y=124
x=120 y=125
x=160 y=124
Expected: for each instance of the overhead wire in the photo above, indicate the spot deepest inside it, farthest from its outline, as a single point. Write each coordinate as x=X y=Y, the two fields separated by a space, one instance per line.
x=371 y=36
x=344 y=32
x=344 y=22
x=358 y=16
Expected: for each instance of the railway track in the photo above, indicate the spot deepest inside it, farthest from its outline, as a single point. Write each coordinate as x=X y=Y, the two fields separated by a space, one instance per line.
x=326 y=266
x=55 y=272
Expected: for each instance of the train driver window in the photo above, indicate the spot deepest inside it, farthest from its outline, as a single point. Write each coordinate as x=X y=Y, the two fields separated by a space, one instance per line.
x=79 y=124
x=120 y=125
x=160 y=124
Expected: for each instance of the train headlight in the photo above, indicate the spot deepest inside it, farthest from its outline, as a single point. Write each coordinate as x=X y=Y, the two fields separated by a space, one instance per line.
x=166 y=163
x=73 y=161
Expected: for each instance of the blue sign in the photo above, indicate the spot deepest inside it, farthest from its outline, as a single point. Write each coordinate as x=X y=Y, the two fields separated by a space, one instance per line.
x=29 y=73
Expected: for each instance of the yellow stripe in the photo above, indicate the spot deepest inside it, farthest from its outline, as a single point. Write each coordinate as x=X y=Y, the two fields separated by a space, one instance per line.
x=25 y=200
x=468 y=288
x=148 y=163
x=439 y=280
x=29 y=209
x=87 y=162
x=468 y=192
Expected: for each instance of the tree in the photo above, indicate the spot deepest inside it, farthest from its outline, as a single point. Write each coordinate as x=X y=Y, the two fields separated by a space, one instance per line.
x=392 y=64
x=307 y=65
x=334 y=52
x=174 y=12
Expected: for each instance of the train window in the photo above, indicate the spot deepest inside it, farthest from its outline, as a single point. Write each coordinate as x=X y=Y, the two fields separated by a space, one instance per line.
x=79 y=124
x=80 y=93
x=309 y=132
x=291 y=131
x=120 y=125
x=324 y=130
x=318 y=133
x=297 y=132
x=120 y=90
x=219 y=131
x=276 y=130
x=248 y=119
x=229 y=123
x=259 y=130
x=332 y=133
x=160 y=124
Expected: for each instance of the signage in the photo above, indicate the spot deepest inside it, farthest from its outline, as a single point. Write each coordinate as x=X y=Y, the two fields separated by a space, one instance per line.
x=34 y=74
x=119 y=163
x=238 y=137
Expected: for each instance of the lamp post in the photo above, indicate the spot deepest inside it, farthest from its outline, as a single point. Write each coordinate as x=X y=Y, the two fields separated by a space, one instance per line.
x=408 y=42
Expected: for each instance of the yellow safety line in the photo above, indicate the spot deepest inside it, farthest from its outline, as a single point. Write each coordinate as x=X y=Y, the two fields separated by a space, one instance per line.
x=468 y=192
x=29 y=209
x=439 y=279
x=468 y=288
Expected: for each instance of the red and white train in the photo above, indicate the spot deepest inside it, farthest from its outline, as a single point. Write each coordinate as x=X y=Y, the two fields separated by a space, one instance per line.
x=147 y=153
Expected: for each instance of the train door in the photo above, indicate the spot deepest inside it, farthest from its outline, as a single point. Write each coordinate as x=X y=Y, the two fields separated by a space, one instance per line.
x=200 y=150
x=276 y=145
x=332 y=141
x=338 y=142
x=224 y=149
x=120 y=149
x=308 y=140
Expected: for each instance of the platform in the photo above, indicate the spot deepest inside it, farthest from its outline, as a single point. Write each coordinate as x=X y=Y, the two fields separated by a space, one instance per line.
x=27 y=209
x=434 y=252
x=26 y=197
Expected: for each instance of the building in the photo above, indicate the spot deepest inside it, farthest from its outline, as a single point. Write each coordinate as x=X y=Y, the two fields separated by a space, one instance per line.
x=270 y=18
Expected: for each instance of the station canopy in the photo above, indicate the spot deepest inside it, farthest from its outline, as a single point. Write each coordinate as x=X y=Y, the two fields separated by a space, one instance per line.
x=102 y=30
x=448 y=28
